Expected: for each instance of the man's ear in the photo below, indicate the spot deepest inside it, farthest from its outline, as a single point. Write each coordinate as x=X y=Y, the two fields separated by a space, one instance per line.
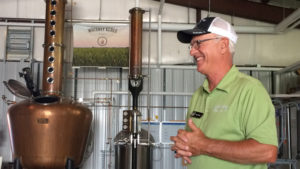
x=224 y=45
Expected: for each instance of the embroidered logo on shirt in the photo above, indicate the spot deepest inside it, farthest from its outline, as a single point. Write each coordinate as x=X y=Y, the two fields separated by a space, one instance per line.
x=220 y=108
x=196 y=114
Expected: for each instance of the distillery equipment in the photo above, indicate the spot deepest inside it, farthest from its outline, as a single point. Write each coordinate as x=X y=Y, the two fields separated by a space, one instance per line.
x=133 y=145
x=125 y=142
x=48 y=131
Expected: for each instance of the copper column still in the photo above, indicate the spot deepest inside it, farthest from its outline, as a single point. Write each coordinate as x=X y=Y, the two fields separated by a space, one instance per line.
x=135 y=67
x=49 y=131
x=133 y=145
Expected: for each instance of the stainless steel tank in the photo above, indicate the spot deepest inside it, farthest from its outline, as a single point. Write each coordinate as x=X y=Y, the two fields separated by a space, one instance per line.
x=124 y=143
x=123 y=151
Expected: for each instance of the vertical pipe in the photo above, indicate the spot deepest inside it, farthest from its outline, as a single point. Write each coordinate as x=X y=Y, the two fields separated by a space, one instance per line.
x=31 y=48
x=159 y=31
x=289 y=134
x=277 y=83
x=38 y=78
x=135 y=102
x=298 y=133
x=159 y=38
x=136 y=42
x=135 y=68
x=149 y=77
x=198 y=15
x=53 y=47
x=282 y=128
x=272 y=82
x=134 y=142
x=75 y=83
x=163 y=117
x=5 y=50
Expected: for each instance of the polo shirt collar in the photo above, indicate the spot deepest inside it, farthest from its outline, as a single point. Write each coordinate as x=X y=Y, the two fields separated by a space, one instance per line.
x=225 y=83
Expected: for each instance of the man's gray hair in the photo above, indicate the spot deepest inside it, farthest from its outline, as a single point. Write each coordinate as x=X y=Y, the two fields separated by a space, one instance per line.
x=231 y=44
x=231 y=47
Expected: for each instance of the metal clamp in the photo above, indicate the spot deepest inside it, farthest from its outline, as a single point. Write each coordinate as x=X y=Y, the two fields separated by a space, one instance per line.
x=53 y=44
x=8 y=102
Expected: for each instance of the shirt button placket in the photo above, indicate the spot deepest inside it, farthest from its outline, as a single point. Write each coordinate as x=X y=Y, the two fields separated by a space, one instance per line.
x=207 y=103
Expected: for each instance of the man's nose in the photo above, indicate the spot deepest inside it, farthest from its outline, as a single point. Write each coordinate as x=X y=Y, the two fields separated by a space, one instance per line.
x=193 y=51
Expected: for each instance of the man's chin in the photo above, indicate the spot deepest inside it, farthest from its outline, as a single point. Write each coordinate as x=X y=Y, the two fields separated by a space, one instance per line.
x=199 y=67
x=200 y=70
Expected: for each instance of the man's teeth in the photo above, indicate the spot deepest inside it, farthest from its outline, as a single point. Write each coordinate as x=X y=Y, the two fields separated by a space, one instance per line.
x=199 y=58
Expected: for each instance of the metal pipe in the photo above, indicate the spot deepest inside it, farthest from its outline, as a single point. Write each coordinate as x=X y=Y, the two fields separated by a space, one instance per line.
x=298 y=133
x=31 y=49
x=169 y=27
x=149 y=76
x=100 y=9
x=144 y=93
x=289 y=134
x=137 y=3
x=75 y=83
x=190 y=94
x=290 y=68
x=188 y=67
x=282 y=130
x=5 y=50
x=159 y=40
x=288 y=21
x=275 y=82
x=159 y=31
x=174 y=27
x=285 y=95
x=281 y=123
x=240 y=68
x=119 y=106
x=22 y=24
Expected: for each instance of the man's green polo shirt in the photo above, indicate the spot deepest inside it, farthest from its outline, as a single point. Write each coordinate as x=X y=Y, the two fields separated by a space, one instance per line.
x=238 y=108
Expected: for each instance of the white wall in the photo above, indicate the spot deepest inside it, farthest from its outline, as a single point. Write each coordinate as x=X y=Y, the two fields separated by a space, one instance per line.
x=3 y=31
x=280 y=49
x=270 y=50
x=38 y=50
x=22 y=9
x=264 y=49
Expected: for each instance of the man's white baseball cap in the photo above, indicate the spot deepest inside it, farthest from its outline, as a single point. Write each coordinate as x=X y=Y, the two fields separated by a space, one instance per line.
x=207 y=25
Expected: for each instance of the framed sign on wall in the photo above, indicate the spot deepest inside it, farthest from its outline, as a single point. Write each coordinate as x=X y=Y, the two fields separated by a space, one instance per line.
x=101 y=44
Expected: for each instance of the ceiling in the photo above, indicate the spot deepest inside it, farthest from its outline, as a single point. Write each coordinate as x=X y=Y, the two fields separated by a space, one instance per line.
x=270 y=11
x=280 y=3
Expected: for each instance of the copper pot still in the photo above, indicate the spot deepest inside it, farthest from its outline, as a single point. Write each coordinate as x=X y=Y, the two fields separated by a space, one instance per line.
x=49 y=131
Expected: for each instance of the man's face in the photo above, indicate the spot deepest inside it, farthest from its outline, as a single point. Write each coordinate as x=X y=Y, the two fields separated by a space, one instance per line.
x=205 y=50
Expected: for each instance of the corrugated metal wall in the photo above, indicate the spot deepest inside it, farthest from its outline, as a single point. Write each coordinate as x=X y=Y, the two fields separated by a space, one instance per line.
x=105 y=91
x=13 y=68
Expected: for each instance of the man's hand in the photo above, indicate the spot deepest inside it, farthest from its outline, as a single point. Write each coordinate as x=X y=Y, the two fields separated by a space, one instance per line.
x=187 y=144
x=193 y=143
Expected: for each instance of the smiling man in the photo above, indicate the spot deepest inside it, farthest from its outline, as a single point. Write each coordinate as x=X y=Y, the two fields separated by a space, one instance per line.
x=231 y=119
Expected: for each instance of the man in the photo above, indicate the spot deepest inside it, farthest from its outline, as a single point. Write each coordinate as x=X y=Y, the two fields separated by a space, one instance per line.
x=231 y=119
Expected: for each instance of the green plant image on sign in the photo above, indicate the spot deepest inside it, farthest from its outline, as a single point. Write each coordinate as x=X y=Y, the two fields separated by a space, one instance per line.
x=115 y=57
